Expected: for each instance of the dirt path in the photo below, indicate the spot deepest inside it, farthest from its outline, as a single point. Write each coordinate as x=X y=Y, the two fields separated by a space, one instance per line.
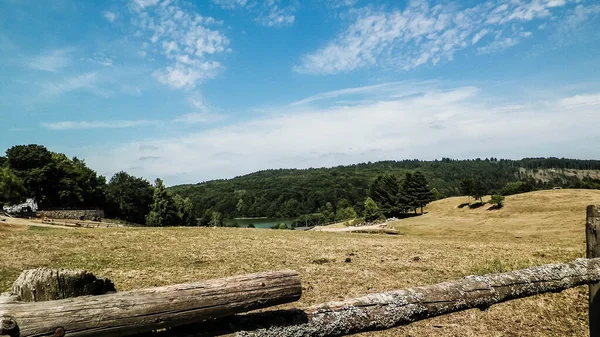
x=378 y=228
x=27 y=222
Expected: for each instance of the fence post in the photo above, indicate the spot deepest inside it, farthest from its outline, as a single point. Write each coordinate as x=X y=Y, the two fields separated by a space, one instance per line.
x=593 y=251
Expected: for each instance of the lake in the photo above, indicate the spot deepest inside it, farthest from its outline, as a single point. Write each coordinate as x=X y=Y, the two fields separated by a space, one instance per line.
x=260 y=222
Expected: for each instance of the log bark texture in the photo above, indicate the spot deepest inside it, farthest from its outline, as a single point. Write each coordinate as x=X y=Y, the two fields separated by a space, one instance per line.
x=592 y=235
x=387 y=310
x=128 y=313
x=46 y=284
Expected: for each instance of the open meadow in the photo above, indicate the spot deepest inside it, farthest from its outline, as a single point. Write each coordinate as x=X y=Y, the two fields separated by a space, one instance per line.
x=445 y=244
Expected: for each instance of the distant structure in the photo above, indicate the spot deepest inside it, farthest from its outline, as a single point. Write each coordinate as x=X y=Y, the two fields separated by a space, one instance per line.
x=28 y=206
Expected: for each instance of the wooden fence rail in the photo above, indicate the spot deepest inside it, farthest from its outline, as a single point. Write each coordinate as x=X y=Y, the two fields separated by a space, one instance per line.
x=210 y=308
x=134 y=312
x=390 y=309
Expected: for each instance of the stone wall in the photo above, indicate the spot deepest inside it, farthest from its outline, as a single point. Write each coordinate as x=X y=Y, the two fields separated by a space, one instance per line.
x=72 y=214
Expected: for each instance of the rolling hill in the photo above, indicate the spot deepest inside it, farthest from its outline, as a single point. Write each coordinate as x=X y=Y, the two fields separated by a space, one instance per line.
x=293 y=192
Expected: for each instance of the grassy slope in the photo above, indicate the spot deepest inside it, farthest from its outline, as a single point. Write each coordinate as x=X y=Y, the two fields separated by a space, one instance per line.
x=535 y=228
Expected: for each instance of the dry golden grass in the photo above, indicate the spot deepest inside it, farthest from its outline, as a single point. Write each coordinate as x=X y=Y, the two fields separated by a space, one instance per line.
x=532 y=229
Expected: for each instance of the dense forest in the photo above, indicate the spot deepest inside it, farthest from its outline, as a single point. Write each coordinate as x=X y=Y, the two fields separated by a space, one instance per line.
x=316 y=195
x=294 y=192
x=58 y=182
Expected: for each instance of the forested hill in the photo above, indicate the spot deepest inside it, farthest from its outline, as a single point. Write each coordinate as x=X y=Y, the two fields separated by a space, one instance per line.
x=292 y=192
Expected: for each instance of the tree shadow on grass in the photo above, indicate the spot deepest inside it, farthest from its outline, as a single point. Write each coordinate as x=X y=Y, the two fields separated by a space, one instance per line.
x=495 y=207
x=464 y=205
x=476 y=205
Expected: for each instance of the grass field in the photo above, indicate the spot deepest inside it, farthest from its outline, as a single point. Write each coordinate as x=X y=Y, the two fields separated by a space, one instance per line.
x=445 y=244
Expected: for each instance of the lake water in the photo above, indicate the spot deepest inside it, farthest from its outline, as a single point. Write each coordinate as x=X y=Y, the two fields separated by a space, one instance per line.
x=260 y=222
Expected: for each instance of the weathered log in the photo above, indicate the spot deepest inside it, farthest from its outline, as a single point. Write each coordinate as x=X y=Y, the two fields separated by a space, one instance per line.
x=8 y=298
x=127 y=313
x=593 y=251
x=46 y=284
x=387 y=310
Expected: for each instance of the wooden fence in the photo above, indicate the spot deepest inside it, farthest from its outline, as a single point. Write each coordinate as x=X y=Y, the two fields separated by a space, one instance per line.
x=213 y=307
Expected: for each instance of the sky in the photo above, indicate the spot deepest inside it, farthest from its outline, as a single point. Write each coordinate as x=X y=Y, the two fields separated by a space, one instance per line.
x=190 y=91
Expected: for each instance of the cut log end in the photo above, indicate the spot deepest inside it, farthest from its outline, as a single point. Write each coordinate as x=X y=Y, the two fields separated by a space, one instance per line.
x=46 y=284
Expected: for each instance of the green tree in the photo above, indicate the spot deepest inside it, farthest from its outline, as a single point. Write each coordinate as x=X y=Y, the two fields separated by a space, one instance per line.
x=466 y=187
x=479 y=190
x=163 y=211
x=185 y=211
x=33 y=165
x=216 y=220
x=343 y=203
x=240 y=207
x=128 y=198
x=206 y=217
x=437 y=195
x=290 y=208
x=12 y=190
x=497 y=200
x=328 y=212
x=27 y=157
x=386 y=191
x=422 y=194
x=346 y=213
x=372 y=211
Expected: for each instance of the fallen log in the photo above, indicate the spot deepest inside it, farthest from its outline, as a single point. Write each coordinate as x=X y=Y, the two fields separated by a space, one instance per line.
x=138 y=311
x=390 y=309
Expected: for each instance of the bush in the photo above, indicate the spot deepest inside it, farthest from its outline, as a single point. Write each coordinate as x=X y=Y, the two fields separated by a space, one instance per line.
x=497 y=200
x=280 y=226
x=356 y=222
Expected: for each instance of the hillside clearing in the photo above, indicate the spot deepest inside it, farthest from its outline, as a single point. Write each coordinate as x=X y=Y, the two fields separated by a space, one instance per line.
x=445 y=244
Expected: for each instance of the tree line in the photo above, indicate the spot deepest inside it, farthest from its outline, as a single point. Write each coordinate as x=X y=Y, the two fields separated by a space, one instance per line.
x=316 y=195
x=290 y=193
x=56 y=181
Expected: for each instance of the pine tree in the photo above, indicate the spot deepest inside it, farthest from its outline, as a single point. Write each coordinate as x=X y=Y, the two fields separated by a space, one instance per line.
x=422 y=192
x=387 y=192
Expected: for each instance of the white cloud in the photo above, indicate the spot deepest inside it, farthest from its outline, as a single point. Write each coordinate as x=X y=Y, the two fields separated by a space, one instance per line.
x=580 y=100
x=141 y=4
x=85 y=81
x=84 y=125
x=425 y=33
x=277 y=17
x=453 y=122
x=231 y=4
x=185 y=38
x=198 y=118
x=399 y=89
x=340 y=3
x=269 y=13
x=51 y=61
x=109 y=16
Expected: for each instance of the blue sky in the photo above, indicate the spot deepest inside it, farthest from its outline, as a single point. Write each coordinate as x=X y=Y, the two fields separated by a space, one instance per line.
x=197 y=90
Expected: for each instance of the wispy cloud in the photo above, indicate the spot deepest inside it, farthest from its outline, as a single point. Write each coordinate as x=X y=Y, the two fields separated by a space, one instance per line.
x=425 y=33
x=84 y=125
x=191 y=118
x=404 y=88
x=51 y=61
x=436 y=122
x=270 y=13
x=109 y=16
x=86 y=81
x=199 y=118
x=187 y=40
x=581 y=101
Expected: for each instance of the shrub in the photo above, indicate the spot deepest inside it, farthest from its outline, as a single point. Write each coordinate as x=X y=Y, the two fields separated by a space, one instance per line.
x=497 y=200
